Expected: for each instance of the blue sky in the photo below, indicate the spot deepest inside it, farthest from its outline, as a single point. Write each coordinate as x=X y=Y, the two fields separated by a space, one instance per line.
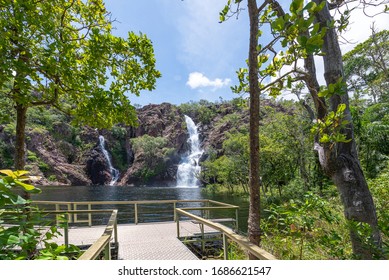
x=197 y=55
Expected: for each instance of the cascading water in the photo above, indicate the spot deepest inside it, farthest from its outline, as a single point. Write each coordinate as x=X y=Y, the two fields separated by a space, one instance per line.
x=114 y=172
x=189 y=167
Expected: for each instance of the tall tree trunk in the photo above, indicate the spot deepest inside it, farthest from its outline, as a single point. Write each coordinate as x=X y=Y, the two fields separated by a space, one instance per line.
x=20 y=153
x=20 y=145
x=340 y=161
x=254 y=233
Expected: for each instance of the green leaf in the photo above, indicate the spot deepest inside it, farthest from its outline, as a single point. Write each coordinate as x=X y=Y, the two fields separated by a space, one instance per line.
x=289 y=82
x=27 y=187
x=315 y=29
x=18 y=200
x=320 y=7
x=331 y=88
x=310 y=7
x=323 y=93
x=302 y=40
x=341 y=108
x=341 y=138
x=278 y=24
x=20 y=173
x=12 y=240
x=9 y=173
x=296 y=6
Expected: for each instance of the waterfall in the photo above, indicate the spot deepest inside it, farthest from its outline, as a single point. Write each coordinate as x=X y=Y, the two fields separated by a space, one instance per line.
x=189 y=167
x=114 y=172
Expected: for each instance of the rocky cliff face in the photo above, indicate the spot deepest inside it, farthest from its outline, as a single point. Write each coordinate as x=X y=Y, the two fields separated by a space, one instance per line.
x=213 y=133
x=58 y=161
x=158 y=121
x=97 y=168
x=66 y=155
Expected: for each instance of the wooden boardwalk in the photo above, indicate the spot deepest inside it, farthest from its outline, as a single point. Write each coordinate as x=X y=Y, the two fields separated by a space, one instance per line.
x=153 y=241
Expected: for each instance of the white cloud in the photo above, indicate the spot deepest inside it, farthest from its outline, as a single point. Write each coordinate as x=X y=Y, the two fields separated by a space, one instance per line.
x=198 y=80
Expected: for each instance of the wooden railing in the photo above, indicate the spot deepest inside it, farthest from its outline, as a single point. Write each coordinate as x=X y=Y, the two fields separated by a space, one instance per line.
x=227 y=233
x=103 y=243
x=75 y=206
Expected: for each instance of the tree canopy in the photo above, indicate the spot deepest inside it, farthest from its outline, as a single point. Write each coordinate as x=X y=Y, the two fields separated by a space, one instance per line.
x=366 y=66
x=62 y=53
x=305 y=31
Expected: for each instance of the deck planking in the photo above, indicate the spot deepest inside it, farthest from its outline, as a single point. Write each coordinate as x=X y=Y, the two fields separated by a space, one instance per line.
x=150 y=241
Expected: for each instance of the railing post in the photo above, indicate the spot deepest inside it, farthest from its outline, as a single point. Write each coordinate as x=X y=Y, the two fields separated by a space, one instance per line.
x=70 y=215
x=66 y=231
x=178 y=224
x=136 y=213
x=208 y=211
x=237 y=219
x=107 y=252
x=90 y=215
x=202 y=238
x=115 y=227
x=57 y=216
x=175 y=215
x=75 y=215
x=225 y=246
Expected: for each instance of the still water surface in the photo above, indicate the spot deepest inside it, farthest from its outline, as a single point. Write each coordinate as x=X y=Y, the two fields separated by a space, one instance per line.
x=148 y=213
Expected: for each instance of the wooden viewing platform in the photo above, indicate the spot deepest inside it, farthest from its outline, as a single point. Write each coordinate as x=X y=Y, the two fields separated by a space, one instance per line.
x=148 y=241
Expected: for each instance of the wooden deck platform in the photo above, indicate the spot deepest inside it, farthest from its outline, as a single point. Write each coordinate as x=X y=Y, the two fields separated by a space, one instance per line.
x=154 y=241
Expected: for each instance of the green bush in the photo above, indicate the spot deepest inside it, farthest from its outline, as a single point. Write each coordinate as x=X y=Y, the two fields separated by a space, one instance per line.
x=380 y=192
x=119 y=133
x=26 y=230
x=308 y=228
x=31 y=156
x=150 y=146
x=10 y=128
x=204 y=111
x=155 y=151
x=43 y=117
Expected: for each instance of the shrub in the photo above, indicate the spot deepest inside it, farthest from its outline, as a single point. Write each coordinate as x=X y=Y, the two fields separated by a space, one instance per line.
x=25 y=231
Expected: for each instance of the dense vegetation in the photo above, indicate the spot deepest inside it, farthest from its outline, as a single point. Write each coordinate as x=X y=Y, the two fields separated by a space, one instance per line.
x=301 y=209
x=25 y=232
x=302 y=212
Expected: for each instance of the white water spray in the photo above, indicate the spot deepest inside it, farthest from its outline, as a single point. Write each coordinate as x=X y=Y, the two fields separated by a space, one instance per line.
x=189 y=168
x=114 y=172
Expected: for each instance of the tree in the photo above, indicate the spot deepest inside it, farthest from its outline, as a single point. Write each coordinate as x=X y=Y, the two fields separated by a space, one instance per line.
x=306 y=31
x=155 y=153
x=252 y=87
x=61 y=53
x=367 y=66
x=254 y=230
x=285 y=150
x=372 y=135
x=231 y=168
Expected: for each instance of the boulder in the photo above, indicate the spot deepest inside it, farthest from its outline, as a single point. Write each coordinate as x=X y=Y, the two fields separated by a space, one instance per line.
x=97 y=168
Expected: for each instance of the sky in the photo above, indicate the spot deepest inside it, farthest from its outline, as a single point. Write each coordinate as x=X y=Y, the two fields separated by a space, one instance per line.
x=198 y=56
